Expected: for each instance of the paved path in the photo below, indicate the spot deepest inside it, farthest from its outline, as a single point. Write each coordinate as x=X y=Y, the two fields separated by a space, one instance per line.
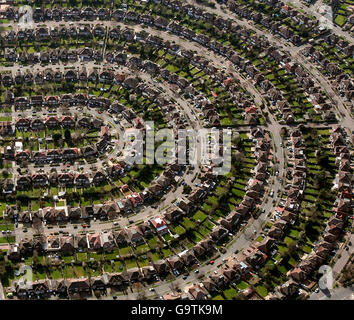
x=336 y=294
x=2 y=294
x=345 y=256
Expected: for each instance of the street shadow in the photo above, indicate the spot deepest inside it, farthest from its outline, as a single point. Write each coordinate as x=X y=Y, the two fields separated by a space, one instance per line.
x=326 y=292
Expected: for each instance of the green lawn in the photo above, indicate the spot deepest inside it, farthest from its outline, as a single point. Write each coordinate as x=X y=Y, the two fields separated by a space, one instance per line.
x=230 y=293
x=153 y=242
x=199 y=216
x=262 y=291
x=41 y=275
x=125 y=250
x=79 y=271
x=178 y=229
x=119 y=266
x=340 y=20
x=143 y=248
x=154 y=256
x=112 y=255
x=7 y=239
x=56 y=274
x=81 y=256
x=107 y=267
x=94 y=272
x=68 y=272
x=242 y=285
x=68 y=259
x=130 y=263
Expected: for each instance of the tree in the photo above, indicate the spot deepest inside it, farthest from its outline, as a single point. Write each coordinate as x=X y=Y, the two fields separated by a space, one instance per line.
x=187 y=189
x=35 y=258
x=320 y=179
x=78 y=134
x=37 y=225
x=97 y=294
x=283 y=131
x=67 y=135
x=5 y=174
x=2 y=266
x=285 y=254
x=292 y=248
x=46 y=263
x=302 y=237
x=56 y=137
x=270 y=267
